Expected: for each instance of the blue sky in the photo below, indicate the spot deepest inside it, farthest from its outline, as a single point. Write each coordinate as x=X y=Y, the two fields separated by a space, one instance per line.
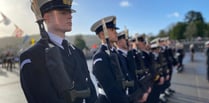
x=139 y=16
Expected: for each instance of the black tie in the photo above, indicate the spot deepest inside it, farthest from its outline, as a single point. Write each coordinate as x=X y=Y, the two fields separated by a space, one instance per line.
x=65 y=46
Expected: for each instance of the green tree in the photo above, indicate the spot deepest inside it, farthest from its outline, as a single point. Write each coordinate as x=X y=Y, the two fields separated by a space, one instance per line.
x=193 y=26
x=191 y=31
x=177 y=31
x=162 y=33
x=193 y=16
x=201 y=27
x=79 y=42
x=196 y=22
x=206 y=31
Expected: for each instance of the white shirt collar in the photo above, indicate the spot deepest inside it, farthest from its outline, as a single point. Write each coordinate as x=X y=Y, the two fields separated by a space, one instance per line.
x=156 y=54
x=146 y=51
x=104 y=44
x=164 y=47
x=56 y=39
x=138 y=50
x=123 y=51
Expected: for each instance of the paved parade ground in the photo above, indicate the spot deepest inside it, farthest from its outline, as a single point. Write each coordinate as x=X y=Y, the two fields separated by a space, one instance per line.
x=191 y=85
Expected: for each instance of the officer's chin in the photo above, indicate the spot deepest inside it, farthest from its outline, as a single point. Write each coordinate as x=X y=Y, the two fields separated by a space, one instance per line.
x=69 y=30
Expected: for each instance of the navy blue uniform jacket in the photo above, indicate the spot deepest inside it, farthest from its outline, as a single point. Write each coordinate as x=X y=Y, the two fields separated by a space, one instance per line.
x=35 y=80
x=105 y=75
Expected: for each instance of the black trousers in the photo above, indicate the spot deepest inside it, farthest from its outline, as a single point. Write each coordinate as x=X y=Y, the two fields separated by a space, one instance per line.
x=155 y=93
x=102 y=99
x=207 y=73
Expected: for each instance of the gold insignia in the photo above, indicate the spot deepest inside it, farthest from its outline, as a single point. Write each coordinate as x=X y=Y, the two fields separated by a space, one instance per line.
x=67 y=2
x=156 y=77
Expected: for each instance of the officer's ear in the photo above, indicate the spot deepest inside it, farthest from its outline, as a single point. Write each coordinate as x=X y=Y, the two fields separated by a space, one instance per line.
x=46 y=16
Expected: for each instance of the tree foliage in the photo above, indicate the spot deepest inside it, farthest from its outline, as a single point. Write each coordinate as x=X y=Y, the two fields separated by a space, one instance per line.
x=191 y=31
x=163 y=33
x=206 y=31
x=193 y=26
x=80 y=42
x=177 y=31
x=194 y=16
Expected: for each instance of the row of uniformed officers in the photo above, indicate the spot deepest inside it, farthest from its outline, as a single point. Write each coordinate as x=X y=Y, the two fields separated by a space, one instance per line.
x=146 y=68
x=127 y=71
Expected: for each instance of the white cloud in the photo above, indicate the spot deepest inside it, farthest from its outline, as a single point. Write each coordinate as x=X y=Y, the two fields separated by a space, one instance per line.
x=174 y=14
x=125 y=4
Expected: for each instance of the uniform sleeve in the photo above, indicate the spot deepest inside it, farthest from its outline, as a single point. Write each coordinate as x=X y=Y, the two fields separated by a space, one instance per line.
x=103 y=73
x=131 y=64
x=25 y=75
x=207 y=53
x=35 y=82
x=171 y=53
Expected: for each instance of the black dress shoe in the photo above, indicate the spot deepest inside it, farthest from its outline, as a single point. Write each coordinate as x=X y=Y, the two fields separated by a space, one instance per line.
x=163 y=99
x=167 y=94
x=172 y=91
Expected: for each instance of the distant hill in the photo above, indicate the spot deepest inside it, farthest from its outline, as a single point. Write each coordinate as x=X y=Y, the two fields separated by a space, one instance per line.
x=89 y=39
x=13 y=42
